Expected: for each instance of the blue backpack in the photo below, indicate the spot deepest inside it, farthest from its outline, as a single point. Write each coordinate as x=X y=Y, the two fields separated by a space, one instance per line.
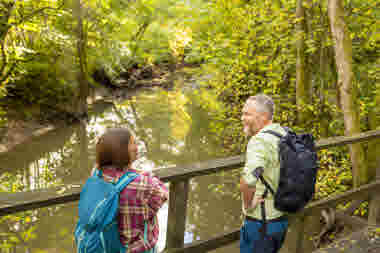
x=97 y=227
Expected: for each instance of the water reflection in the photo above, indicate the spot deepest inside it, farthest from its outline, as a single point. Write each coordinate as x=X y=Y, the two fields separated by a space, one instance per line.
x=175 y=127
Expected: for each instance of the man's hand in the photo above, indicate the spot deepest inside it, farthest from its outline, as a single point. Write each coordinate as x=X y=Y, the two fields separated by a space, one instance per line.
x=256 y=201
x=247 y=193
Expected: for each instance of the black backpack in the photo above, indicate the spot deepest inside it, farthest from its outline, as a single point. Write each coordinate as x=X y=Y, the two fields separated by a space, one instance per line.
x=298 y=171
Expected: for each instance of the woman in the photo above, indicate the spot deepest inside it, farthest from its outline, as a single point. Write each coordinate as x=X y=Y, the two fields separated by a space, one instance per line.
x=140 y=201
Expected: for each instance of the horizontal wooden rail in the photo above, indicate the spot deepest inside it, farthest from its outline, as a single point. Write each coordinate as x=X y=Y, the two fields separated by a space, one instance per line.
x=207 y=245
x=22 y=201
x=362 y=192
x=181 y=173
x=344 y=140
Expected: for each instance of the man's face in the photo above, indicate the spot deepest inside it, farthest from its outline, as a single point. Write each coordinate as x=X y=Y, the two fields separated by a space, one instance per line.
x=251 y=119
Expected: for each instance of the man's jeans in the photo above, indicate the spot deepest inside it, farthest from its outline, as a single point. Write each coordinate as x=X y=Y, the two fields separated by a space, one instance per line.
x=250 y=234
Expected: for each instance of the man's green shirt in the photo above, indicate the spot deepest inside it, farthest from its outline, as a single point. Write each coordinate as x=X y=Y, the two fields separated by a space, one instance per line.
x=262 y=150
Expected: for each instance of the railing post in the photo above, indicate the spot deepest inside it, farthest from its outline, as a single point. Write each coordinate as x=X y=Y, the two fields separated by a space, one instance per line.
x=374 y=207
x=178 y=194
x=300 y=228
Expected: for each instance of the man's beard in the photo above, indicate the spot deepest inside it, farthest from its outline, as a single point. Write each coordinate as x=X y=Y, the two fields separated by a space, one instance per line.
x=248 y=131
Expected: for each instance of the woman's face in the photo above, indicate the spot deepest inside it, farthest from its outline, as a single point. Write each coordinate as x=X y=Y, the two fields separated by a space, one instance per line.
x=132 y=149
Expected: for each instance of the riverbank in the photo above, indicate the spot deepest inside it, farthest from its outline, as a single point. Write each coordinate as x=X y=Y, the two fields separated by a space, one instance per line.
x=25 y=121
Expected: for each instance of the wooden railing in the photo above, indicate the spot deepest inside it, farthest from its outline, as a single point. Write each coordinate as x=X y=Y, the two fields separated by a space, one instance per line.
x=179 y=186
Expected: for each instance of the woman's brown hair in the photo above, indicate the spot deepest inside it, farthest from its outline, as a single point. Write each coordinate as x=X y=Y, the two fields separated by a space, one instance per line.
x=112 y=148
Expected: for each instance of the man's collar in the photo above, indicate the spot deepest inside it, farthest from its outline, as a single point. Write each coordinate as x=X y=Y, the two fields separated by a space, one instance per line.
x=266 y=127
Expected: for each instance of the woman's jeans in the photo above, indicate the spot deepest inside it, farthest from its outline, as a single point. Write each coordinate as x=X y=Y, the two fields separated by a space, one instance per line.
x=252 y=240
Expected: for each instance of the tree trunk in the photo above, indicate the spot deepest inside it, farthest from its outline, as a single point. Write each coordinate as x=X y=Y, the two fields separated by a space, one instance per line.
x=347 y=89
x=84 y=165
x=302 y=82
x=326 y=114
x=82 y=57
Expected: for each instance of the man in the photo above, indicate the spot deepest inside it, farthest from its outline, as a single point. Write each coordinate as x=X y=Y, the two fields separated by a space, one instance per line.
x=262 y=151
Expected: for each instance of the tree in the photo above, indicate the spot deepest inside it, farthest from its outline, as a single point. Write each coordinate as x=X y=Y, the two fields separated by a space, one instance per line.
x=302 y=78
x=347 y=89
x=83 y=79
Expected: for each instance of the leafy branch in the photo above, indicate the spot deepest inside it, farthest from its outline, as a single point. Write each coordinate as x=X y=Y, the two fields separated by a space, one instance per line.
x=3 y=57
x=5 y=74
x=35 y=13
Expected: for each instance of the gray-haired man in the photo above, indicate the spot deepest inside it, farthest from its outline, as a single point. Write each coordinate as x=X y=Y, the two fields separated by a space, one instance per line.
x=262 y=151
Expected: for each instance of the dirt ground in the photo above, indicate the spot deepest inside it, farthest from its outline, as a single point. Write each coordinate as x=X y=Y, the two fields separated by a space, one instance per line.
x=363 y=241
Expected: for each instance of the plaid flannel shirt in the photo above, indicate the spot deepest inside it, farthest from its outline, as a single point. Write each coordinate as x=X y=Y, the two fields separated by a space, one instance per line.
x=139 y=202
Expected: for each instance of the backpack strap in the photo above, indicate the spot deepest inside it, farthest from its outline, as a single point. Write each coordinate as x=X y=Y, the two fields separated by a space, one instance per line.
x=258 y=173
x=127 y=178
x=273 y=133
x=97 y=173
x=263 y=214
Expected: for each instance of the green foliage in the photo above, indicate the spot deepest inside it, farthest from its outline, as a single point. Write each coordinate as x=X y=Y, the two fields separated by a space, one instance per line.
x=334 y=175
x=10 y=183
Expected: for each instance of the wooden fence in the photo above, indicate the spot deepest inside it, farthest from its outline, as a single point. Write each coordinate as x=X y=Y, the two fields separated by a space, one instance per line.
x=179 y=187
